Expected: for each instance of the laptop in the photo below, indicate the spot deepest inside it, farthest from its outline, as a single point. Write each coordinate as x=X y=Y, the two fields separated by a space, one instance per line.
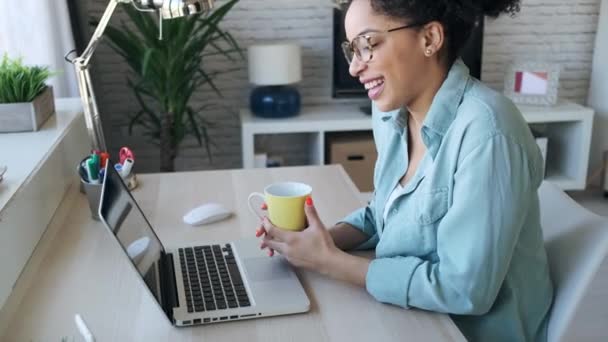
x=204 y=282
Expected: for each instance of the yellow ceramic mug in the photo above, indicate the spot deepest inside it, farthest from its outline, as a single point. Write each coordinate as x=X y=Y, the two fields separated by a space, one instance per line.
x=285 y=202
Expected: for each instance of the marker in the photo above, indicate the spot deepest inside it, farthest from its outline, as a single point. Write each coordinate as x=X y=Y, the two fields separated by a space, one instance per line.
x=92 y=171
x=126 y=167
x=96 y=159
x=118 y=168
x=84 y=330
x=104 y=159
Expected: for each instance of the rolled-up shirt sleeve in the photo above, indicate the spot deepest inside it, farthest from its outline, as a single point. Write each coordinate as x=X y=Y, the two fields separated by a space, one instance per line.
x=493 y=187
x=364 y=220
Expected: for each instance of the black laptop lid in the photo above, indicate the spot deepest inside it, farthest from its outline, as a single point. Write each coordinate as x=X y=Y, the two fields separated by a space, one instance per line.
x=127 y=222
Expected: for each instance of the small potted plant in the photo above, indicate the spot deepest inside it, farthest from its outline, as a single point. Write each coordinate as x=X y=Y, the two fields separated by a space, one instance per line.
x=26 y=101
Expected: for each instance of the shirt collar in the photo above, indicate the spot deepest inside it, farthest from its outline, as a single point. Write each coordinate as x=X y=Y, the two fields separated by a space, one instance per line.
x=444 y=106
x=396 y=118
x=443 y=109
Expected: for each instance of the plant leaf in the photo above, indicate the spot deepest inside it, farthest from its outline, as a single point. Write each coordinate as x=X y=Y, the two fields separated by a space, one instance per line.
x=166 y=74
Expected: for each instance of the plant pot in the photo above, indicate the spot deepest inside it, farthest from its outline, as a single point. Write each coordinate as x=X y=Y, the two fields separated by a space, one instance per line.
x=27 y=116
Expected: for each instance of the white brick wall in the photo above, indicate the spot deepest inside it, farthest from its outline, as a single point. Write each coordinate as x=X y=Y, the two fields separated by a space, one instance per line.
x=560 y=31
x=557 y=31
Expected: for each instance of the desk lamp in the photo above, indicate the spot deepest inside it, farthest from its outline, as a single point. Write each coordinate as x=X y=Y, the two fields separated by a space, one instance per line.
x=273 y=69
x=167 y=9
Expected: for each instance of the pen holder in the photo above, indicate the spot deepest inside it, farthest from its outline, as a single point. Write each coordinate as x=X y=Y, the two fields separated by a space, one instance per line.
x=93 y=192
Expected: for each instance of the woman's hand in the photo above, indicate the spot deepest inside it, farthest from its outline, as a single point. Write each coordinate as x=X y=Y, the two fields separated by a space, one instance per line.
x=310 y=248
x=260 y=230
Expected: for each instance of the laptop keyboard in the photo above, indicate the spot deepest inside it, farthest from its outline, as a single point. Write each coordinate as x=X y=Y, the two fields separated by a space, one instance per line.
x=212 y=279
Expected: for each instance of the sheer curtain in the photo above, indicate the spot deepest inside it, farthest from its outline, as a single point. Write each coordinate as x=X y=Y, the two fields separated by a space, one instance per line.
x=598 y=92
x=40 y=32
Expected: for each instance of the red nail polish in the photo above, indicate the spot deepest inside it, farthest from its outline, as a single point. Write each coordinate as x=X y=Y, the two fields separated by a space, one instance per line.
x=309 y=201
x=264 y=206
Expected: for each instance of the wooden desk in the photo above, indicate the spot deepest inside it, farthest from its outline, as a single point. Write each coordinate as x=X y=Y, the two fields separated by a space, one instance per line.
x=78 y=268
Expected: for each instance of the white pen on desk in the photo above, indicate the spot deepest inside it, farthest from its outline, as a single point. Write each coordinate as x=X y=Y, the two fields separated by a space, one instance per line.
x=84 y=330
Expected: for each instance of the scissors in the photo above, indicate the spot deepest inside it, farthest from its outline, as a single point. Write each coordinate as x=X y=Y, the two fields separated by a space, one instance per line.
x=125 y=153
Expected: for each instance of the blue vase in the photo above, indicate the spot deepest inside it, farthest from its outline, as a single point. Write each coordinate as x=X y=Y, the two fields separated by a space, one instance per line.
x=275 y=101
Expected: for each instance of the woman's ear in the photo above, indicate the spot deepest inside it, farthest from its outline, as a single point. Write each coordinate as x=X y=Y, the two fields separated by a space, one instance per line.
x=433 y=38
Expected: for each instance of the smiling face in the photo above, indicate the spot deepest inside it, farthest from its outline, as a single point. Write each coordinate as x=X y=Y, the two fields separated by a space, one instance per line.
x=395 y=75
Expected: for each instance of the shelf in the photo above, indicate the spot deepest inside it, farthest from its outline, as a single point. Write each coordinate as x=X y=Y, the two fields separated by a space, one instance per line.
x=279 y=145
x=313 y=118
x=568 y=127
x=562 y=181
x=563 y=111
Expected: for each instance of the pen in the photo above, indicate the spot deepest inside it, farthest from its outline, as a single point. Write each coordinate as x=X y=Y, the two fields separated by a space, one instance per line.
x=104 y=159
x=92 y=171
x=118 y=168
x=84 y=330
x=97 y=161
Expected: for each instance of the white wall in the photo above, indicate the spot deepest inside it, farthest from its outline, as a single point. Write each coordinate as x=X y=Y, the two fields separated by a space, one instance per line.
x=560 y=31
x=40 y=33
x=598 y=92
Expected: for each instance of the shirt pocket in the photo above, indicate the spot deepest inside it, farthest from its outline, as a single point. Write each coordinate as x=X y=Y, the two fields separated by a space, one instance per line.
x=431 y=205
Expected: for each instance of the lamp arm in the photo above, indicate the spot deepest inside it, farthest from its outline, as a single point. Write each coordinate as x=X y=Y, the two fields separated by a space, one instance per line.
x=101 y=27
x=85 y=86
x=167 y=10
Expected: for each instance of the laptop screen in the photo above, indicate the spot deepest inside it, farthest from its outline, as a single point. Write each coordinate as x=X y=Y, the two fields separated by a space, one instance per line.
x=125 y=219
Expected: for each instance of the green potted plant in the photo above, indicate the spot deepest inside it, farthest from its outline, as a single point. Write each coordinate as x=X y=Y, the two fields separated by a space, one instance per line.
x=26 y=102
x=165 y=74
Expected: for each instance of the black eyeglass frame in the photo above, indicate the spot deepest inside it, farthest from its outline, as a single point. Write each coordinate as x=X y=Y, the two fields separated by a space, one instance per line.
x=348 y=46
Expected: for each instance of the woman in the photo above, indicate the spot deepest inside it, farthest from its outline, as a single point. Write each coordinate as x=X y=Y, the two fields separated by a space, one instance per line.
x=455 y=215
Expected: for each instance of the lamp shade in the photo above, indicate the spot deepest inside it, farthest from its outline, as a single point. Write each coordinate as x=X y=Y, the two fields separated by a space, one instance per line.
x=275 y=64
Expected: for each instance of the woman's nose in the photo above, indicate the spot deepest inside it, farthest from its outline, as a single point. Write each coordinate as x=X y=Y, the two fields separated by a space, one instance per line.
x=355 y=67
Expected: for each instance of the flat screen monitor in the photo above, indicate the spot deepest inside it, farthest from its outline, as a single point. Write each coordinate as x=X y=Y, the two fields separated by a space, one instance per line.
x=346 y=86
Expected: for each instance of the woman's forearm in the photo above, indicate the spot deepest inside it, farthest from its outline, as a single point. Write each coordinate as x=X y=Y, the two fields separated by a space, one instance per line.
x=345 y=267
x=347 y=237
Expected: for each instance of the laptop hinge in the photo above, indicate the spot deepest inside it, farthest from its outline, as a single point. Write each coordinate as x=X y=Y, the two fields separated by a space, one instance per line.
x=168 y=285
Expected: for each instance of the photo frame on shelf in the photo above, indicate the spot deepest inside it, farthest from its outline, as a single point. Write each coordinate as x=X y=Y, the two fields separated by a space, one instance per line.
x=535 y=83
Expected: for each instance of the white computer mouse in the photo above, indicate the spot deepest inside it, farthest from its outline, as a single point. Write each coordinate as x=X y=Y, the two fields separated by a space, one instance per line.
x=206 y=213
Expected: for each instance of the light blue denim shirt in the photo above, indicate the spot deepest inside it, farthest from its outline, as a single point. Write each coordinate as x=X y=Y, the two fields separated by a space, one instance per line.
x=465 y=237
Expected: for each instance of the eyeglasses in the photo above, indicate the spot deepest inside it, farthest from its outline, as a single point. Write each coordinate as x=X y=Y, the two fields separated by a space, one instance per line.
x=362 y=46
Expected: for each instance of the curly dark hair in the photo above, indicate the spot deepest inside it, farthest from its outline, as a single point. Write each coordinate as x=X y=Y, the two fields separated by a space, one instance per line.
x=458 y=17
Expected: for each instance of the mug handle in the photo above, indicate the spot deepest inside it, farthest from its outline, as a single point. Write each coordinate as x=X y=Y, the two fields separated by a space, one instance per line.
x=252 y=207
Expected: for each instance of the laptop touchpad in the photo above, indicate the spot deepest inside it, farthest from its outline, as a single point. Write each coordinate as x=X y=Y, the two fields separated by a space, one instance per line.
x=266 y=268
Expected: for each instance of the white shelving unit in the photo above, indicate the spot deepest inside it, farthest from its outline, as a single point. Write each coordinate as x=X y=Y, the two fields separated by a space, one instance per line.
x=567 y=125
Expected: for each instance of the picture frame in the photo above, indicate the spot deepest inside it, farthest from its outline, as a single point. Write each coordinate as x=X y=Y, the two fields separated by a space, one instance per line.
x=535 y=83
